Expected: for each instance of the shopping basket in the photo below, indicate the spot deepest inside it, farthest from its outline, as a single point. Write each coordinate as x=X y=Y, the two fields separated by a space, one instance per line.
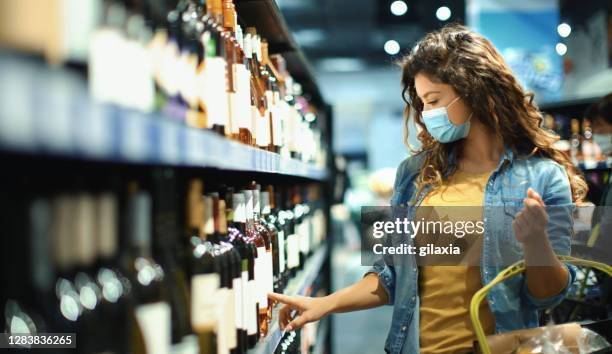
x=511 y=271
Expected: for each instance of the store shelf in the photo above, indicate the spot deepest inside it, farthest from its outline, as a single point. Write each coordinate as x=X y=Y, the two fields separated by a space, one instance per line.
x=128 y=137
x=297 y=286
x=319 y=347
x=595 y=165
x=574 y=107
x=266 y=16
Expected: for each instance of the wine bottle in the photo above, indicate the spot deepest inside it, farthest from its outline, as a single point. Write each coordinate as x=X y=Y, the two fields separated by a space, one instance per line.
x=259 y=104
x=174 y=256
x=152 y=313
x=216 y=85
x=233 y=271
x=89 y=292
x=236 y=266
x=260 y=263
x=269 y=219
x=110 y=276
x=193 y=65
x=293 y=245
x=226 y=335
x=204 y=270
x=268 y=237
x=248 y=252
x=272 y=98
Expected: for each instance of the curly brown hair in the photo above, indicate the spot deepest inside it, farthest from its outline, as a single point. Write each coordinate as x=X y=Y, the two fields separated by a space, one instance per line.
x=469 y=62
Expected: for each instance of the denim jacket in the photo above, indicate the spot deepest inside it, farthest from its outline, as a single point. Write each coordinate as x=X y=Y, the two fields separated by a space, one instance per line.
x=512 y=305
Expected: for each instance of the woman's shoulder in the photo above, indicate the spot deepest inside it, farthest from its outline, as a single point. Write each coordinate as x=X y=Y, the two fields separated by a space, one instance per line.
x=410 y=166
x=543 y=165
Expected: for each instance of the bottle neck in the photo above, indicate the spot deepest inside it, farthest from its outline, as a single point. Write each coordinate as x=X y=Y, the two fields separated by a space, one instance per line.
x=140 y=223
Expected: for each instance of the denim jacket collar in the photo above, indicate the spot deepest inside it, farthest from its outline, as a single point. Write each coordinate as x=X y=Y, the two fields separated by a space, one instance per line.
x=507 y=155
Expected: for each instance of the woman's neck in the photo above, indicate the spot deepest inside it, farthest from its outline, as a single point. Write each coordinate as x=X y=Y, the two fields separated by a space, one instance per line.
x=481 y=150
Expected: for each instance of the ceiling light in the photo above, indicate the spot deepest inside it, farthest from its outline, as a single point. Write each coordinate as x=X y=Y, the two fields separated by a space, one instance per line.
x=561 y=48
x=443 y=13
x=398 y=8
x=392 y=47
x=564 y=29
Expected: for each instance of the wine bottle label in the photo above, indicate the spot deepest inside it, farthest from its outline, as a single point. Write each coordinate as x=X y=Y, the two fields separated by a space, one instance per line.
x=262 y=129
x=237 y=285
x=246 y=305
x=234 y=113
x=230 y=308
x=223 y=331
x=281 y=251
x=253 y=123
x=214 y=91
x=106 y=216
x=293 y=257
x=251 y=312
x=270 y=116
x=156 y=48
x=204 y=289
x=319 y=225
x=269 y=274
x=190 y=80
x=244 y=86
x=154 y=321
x=260 y=273
x=138 y=78
x=103 y=64
x=276 y=120
x=296 y=120
x=169 y=67
x=84 y=241
x=188 y=345
x=304 y=237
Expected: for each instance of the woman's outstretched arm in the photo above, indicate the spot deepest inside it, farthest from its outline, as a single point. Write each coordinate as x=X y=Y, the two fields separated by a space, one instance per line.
x=364 y=294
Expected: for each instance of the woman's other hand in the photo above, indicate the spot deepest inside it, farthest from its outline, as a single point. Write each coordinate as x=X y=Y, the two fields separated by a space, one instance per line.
x=530 y=223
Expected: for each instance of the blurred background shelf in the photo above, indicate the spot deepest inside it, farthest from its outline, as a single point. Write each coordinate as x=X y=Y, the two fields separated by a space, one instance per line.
x=297 y=286
x=596 y=165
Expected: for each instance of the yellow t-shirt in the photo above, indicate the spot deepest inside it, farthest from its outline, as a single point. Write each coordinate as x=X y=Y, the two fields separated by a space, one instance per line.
x=446 y=291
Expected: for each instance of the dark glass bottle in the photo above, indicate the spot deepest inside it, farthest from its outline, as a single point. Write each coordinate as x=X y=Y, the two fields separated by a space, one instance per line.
x=269 y=237
x=226 y=330
x=152 y=314
x=169 y=249
x=270 y=221
x=248 y=251
x=253 y=233
x=204 y=271
x=110 y=276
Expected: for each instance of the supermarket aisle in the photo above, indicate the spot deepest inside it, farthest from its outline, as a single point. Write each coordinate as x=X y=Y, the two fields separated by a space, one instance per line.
x=349 y=328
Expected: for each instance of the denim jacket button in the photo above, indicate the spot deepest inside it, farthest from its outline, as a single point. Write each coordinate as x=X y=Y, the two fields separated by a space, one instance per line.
x=403 y=328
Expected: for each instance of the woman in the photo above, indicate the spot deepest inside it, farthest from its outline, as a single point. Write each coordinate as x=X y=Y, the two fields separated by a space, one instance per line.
x=482 y=145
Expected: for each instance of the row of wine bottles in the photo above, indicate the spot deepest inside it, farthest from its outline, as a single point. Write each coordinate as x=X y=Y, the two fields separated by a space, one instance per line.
x=113 y=267
x=191 y=60
x=582 y=145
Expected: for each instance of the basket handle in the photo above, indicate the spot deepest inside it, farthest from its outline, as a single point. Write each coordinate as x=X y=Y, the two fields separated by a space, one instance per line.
x=511 y=271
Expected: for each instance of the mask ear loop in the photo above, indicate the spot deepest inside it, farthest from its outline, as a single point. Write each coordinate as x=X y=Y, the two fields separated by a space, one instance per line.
x=453 y=101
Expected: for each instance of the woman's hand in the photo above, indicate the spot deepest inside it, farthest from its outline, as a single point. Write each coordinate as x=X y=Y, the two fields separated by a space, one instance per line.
x=530 y=223
x=308 y=309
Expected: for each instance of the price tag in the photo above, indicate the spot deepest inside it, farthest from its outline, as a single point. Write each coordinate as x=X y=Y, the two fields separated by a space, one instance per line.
x=169 y=145
x=133 y=138
x=194 y=147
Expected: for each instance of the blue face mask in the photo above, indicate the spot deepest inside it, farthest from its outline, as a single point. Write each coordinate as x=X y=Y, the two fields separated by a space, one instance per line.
x=441 y=128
